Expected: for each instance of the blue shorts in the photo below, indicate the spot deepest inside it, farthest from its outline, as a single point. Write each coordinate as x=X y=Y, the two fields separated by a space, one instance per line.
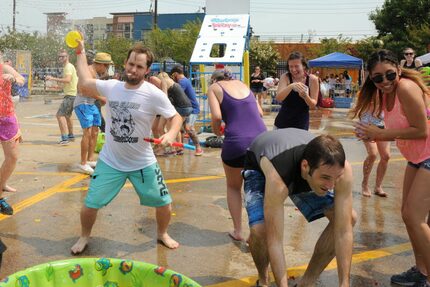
x=88 y=116
x=424 y=164
x=310 y=205
x=107 y=182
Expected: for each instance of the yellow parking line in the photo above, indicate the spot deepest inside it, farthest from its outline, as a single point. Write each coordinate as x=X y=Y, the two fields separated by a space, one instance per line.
x=49 y=173
x=300 y=270
x=178 y=180
x=44 y=195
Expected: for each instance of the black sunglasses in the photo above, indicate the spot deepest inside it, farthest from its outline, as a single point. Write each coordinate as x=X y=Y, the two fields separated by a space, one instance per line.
x=390 y=76
x=408 y=54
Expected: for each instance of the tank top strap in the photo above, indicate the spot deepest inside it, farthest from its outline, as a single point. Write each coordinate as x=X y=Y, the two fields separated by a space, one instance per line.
x=290 y=77
x=222 y=88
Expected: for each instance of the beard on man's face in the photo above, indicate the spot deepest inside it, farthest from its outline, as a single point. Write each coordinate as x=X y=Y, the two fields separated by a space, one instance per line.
x=132 y=81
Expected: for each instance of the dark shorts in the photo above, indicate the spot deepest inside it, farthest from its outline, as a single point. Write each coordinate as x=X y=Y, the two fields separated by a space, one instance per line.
x=66 y=106
x=257 y=90
x=424 y=164
x=310 y=205
x=235 y=162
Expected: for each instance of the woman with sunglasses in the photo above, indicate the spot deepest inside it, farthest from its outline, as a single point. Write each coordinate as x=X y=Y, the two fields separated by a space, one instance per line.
x=402 y=96
x=410 y=62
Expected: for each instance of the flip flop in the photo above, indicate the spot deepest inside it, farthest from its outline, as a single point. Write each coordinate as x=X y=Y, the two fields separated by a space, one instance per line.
x=257 y=284
x=381 y=194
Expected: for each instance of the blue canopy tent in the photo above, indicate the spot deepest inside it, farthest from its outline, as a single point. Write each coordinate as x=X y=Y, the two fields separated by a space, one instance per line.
x=337 y=60
x=343 y=61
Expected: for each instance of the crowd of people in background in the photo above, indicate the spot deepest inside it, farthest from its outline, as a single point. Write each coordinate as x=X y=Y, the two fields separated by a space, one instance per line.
x=392 y=105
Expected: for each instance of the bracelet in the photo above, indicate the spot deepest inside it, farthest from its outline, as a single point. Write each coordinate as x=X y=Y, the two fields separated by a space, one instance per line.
x=80 y=52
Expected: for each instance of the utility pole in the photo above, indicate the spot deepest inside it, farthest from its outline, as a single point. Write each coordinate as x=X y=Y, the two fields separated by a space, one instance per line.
x=14 y=14
x=155 y=19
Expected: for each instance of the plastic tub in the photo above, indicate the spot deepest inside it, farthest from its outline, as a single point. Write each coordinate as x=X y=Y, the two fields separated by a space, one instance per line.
x=88 y=272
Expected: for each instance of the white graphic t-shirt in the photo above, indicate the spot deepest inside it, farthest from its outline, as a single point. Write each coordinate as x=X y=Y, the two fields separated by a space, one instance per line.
x=129 y=116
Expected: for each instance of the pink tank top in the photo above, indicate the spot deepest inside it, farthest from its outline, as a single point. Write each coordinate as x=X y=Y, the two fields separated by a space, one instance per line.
x=414 y=150
x=6 y=102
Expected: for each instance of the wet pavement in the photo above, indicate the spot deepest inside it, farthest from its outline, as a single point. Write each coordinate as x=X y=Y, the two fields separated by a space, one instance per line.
x=51 y=191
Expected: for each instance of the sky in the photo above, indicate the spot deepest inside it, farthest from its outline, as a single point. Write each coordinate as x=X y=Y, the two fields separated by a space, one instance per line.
x=280 y=20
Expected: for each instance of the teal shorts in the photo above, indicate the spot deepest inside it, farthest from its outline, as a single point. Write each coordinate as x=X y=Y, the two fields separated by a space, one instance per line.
x=107 y=182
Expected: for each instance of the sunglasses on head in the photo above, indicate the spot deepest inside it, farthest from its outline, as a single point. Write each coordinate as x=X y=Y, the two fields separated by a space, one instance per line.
x=390 y=76
x=408 y=54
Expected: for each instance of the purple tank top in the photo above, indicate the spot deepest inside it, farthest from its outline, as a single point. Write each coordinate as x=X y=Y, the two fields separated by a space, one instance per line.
x=242 y=124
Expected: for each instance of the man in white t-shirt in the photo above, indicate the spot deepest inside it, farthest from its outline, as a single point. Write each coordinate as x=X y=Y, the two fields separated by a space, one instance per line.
x=131 y=107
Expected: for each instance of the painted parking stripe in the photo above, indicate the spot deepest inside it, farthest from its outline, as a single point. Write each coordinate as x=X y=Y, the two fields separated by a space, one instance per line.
x=300 y=270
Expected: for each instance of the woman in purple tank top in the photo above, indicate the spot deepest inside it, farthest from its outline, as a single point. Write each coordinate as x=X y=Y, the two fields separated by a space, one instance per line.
x=232 y=101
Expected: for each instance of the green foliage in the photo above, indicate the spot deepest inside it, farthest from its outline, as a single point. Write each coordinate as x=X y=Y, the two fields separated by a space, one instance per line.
x=399 y=22
x=367 y=46
x=175 y=44
x=44 y=49
x=264 y=55
x=331 y=45
x=117 y=47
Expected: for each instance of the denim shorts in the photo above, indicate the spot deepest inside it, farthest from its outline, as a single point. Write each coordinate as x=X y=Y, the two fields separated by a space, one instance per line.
x=107 y=182
x=184 y=112
x=191 y=120
x=424 y=164
x=310 y=205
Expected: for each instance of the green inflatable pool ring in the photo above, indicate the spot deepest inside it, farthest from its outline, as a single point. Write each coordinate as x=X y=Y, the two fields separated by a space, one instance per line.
x=97 y=272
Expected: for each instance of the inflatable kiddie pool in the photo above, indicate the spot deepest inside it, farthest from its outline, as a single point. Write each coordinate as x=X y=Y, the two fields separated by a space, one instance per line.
x=97 y=272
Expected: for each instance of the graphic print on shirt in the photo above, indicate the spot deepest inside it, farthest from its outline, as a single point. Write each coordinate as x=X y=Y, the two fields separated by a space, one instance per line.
x=123 y=124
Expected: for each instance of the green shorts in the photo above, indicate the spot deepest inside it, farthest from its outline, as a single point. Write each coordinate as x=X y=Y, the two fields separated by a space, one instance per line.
x=106 y=183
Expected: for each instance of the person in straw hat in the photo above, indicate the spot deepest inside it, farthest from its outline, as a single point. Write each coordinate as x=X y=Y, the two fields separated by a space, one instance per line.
x=89 y=115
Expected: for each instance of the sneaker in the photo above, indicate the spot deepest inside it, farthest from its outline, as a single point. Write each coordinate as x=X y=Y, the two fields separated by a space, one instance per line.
x=63 y=142
x=5 y=208
x=180 y=152
x=92 y=163
x=86 y=168
x=409 y=278
x=71 y=138
x=199 y=151
x=424 y=283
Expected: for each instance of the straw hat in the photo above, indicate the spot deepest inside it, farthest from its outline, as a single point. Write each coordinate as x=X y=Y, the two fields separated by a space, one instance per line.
x=103 y=58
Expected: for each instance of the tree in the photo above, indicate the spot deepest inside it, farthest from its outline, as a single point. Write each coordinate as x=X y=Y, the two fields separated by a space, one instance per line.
x=264 y=55
x=174 y=44
x=44 y=49
x=398 y=22
x=367 y=46
x=117 y=47
x=331 y=45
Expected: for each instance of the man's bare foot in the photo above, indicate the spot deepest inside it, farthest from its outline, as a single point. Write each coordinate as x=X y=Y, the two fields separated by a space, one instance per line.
x=235 y=236
x=379 y=192
x=365 y=191
x=8 y=188
x=168 y=241
x=79 y=246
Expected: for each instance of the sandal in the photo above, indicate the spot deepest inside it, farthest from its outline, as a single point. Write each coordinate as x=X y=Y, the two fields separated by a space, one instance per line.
x=257 y=284
x=381 y=193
